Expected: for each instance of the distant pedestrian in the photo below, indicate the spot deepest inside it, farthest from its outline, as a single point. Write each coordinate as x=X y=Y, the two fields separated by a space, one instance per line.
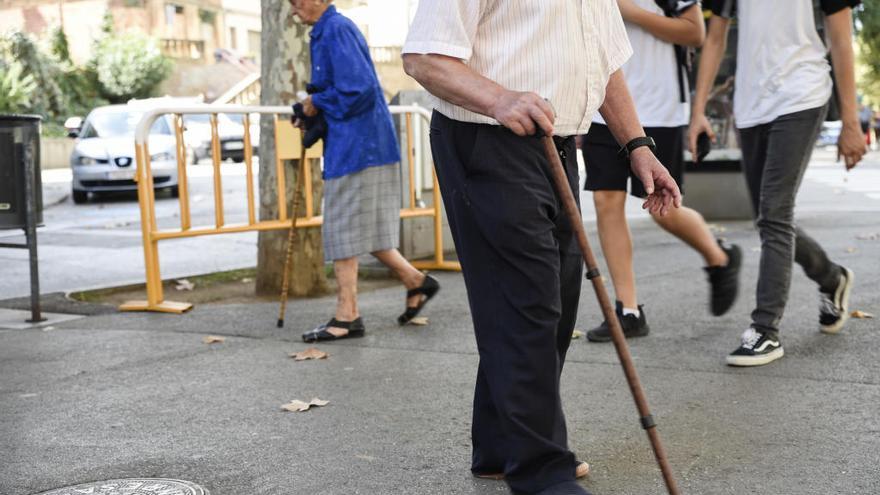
x=783 y=85
x=361 y=173
x=657 y=79
x=865 y=116
x=502 y=71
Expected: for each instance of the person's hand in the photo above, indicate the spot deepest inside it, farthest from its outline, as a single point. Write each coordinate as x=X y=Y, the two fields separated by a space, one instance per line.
x=851 y=145
x=663 y=192
x=299 y=123
x=309 y=108
x=520 y=111
x=628 y=9
x=699 y=124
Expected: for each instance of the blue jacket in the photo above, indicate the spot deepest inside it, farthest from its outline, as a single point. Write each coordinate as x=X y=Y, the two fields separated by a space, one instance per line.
x=360 y=131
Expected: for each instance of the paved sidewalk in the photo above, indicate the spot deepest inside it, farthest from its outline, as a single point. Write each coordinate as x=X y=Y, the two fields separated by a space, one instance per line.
x=116 y=395
x=139 y=395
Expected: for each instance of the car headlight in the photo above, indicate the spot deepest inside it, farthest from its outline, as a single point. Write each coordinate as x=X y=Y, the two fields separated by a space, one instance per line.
x=162 y=157
x=86 y=160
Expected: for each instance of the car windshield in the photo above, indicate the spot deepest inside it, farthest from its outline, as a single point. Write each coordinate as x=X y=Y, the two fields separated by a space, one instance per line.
x=120 y=124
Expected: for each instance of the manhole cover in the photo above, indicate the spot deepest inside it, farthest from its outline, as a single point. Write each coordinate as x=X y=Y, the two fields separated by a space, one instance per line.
x=131 y=486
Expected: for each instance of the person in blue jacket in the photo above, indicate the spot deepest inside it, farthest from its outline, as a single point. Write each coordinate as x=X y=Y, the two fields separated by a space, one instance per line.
x=361 y=174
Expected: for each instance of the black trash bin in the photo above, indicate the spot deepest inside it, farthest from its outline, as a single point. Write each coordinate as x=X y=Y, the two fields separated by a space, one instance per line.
x=19 y=161
x=21 y=190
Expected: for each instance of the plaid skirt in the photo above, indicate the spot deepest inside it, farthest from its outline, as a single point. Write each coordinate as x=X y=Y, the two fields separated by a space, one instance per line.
x=361 y=212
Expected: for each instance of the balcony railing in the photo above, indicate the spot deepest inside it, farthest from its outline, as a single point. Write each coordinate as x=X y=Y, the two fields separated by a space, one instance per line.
x=385 y=54
x=177 y=48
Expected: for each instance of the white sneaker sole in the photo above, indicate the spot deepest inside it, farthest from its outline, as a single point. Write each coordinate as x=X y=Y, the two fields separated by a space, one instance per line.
x=756 y=360
x=844 y=299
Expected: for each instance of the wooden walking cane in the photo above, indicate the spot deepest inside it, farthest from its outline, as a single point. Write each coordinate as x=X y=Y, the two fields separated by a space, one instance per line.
x=291 y=234
x=574 y=215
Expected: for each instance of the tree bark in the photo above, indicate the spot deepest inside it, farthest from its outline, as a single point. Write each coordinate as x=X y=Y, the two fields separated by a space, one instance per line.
x=284 y=71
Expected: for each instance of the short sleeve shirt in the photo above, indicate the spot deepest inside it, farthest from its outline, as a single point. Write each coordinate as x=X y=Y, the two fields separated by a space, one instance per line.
x=652 y=72
x=563 y=50
x=782 y=66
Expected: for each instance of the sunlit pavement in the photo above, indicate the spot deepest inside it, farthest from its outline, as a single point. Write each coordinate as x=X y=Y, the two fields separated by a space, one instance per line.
x=141 y=395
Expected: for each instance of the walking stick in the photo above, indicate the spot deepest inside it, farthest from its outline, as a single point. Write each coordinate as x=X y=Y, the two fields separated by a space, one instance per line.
x=632 y=378
x=291 y=234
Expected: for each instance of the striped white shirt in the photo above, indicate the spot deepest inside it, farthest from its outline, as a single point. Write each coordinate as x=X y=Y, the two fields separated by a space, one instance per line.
x=563 y=50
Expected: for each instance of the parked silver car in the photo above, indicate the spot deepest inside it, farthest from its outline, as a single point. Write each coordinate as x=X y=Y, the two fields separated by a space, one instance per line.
x=104 y=157
x=230 y=131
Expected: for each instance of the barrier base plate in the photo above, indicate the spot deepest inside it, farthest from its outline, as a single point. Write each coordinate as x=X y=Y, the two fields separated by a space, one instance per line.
x=452 y=266
x=162 y=307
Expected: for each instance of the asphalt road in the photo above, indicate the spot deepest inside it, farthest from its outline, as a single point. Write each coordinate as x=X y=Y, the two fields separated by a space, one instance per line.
x=98 y=244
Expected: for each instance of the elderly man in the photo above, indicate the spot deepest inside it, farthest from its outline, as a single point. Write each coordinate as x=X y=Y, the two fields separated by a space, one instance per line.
x=502 y=71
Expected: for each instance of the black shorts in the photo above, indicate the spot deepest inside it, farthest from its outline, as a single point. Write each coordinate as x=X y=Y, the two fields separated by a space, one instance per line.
x=606 y=171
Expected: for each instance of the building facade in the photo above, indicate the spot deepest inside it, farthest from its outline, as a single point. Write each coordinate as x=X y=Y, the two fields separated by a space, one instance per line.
x=187 y=29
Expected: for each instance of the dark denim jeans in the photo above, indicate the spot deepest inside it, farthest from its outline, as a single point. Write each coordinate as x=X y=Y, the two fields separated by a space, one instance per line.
x=775 y=156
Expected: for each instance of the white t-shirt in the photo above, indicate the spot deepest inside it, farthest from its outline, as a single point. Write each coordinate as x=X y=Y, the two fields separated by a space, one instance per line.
x=652 y=75
x=781 y=65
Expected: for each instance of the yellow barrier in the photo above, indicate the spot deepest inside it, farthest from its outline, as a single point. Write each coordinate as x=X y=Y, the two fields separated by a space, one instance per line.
x=288 y=147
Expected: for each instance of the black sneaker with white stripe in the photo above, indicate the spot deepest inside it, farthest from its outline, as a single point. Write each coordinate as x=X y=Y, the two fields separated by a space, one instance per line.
x=757 y=349
x=834 y=305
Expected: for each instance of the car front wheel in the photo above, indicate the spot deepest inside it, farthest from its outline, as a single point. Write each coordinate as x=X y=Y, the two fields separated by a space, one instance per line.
x=80 y=197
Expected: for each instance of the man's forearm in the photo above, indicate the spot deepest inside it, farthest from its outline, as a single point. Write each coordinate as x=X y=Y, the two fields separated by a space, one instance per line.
x=619 y=111
x=710 y=61
x=687 y=29
x=451 y=80
x=839 y=27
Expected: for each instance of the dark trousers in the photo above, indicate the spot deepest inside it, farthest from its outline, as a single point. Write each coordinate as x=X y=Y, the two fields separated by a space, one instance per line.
x=522 y=269
x=775 y=156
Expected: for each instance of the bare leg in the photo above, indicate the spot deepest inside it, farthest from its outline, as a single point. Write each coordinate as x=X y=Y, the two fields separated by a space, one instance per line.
x=616 y=244
x=346 y=296
x=689 y=226
x=408 y=274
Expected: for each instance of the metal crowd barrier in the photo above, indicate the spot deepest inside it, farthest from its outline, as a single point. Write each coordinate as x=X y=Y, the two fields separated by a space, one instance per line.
x=288 y=147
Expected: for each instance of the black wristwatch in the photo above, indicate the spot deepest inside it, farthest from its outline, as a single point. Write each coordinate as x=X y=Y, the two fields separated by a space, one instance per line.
x=638 y=142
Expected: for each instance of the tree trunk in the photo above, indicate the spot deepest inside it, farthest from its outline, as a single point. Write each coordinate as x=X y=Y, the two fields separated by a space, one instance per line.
x=284 y=71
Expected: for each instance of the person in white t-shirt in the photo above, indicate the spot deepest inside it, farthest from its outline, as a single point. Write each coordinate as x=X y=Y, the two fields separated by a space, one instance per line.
x=658 y=31
x=783 y=88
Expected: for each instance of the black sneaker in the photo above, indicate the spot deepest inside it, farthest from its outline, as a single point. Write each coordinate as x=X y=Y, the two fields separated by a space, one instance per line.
x=725 y=280
x=633 y=326
x=834 y=306
x=756 y=349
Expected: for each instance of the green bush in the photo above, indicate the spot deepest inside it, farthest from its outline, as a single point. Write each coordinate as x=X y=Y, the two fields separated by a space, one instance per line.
x=50 y=99
x=16 y=89
x=129 y=66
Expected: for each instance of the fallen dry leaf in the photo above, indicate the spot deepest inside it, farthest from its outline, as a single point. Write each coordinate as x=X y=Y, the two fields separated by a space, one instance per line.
x=419 y=321
x=717 y=228
x=576 y=335
x=299 y=406
x=861 y=315
x=184 y=284
x=310 y=353
x=213 y=339
x=851 y=250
